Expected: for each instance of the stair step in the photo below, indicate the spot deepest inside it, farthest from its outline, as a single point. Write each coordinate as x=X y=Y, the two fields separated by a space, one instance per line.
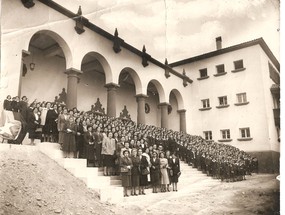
x=116 y=182
x=116 y=177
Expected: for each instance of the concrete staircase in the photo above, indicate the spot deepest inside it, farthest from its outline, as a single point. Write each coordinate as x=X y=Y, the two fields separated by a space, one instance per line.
x=108 y=187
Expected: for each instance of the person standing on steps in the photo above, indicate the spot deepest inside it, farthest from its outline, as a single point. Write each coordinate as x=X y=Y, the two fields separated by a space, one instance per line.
x=135 y=172
x=89 y=145
x=69 y=144
x=155 y=172
x=125 y=169
x=33 y=123
x=163 y=171
x=174 y=171
x=108 y=151
x=98 y=138
x=62 y=118
x=143 y=171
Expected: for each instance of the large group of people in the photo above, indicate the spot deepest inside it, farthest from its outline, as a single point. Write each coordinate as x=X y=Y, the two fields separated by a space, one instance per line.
x=142 y=154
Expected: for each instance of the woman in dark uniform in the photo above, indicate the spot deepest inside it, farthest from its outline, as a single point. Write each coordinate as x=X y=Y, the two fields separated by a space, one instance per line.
x=79 y=138
x=143 y=172
x=126 y=165
x=98 y=138
x=135 y=172
x=7 y=103
x=89 y=146
x=33 y=123
x=174 y=171
x=155 y=172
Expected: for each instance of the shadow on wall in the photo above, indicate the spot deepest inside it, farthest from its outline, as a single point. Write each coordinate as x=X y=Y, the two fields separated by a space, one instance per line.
x=268 y=161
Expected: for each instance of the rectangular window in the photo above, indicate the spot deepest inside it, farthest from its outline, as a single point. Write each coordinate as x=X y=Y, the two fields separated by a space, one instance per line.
x=205 y=103
x=226 y=134
x=223 y=100
x=208 y=135
x=203 y=73
x=244 y=132
x=241 y=98
x=220 y=68
x=238 y=64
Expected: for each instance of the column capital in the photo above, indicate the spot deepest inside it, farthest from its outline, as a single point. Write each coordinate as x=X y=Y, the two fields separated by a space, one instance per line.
x=141 y=96
x=112 y=85
x=181 y=111
x=163 y=104
x=73 y=71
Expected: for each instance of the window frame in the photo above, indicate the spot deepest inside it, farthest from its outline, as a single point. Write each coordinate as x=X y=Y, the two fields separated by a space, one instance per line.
x=243 y=100
x=247 y=134
x=238 y=68
x=208 y=135
x=225 y=137
x=207 y=106
x=201 y=72
x=224 y=100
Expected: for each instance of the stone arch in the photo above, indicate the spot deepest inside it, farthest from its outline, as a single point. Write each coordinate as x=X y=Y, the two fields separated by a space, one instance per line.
x=104 y=63
x=178 y=98
x=135 y=77
x=160 y=90
x=61 y=42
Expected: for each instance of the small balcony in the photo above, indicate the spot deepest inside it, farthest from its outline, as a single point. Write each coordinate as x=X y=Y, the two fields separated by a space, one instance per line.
x=276 y=113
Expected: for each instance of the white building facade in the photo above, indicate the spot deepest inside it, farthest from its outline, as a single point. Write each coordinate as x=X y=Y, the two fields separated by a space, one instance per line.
x=211 y=98
x=235 y=98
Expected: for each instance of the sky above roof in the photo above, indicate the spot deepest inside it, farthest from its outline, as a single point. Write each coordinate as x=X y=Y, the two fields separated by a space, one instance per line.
x=179 y=29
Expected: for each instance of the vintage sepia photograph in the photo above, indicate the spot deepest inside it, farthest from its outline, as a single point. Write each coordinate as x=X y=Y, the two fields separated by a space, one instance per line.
x=151 y=107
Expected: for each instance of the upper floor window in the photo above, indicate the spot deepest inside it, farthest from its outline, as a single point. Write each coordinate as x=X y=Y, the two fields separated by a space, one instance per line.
x=208 y=135
x=225 y=135
x=241 y=99
x=220 y=68
x=205 y=103
x=244 y=134
x=223 y=100
x=203 y=73
x=238 y=64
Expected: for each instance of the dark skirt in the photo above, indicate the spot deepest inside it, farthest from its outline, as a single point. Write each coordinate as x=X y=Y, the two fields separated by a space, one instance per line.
x=90 y=152
x=108 y=160
x=174 y=178
x=143 y=180
x=135 y=180
x=69 y=144
x=126 y=180
x=155 y=178
x=80 y=147
x=98 y=149
x=33 y=134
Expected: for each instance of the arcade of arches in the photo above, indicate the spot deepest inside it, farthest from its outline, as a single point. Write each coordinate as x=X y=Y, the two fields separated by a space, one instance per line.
x=50 y=76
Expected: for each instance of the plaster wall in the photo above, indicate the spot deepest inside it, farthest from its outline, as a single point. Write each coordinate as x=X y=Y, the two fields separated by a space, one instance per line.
x=252 y=115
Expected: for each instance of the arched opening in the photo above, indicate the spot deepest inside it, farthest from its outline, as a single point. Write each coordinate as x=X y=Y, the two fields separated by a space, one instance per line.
x=176 y=111
x=156 y=96
x=127 y=92
x=44 y=66
x=95 y=70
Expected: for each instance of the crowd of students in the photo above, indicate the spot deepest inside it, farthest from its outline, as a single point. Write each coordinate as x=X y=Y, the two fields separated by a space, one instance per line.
x=141 y=154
